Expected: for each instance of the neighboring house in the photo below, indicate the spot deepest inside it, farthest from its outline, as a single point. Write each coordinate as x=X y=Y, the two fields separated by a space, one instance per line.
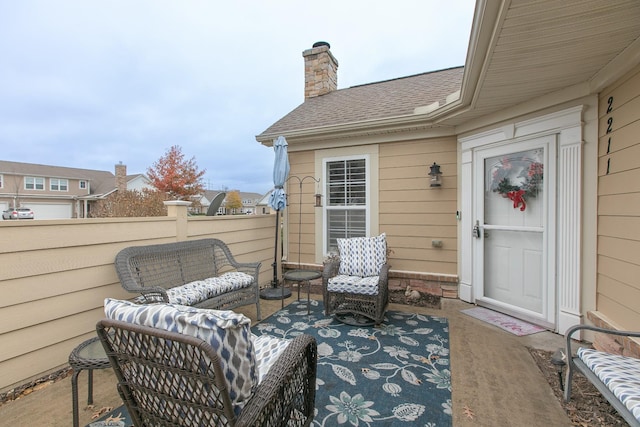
x=55 y=192
x=262 y=207
x=249 y=203
x=549 y=97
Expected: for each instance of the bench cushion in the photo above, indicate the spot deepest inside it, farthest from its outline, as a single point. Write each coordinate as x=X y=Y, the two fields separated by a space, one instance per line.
x=354 y=284
x=227 y=332
x=620 y=374
x=201 y=290
x=362 y=256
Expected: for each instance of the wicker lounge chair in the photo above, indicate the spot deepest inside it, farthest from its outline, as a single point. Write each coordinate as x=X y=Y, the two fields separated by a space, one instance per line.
x=355 y=285
x=169 y=378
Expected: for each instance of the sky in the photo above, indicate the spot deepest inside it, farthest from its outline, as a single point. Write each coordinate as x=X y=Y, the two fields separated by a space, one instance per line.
x=89 y=84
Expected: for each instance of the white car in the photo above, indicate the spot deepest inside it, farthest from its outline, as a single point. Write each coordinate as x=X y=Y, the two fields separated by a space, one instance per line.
x=18 y=213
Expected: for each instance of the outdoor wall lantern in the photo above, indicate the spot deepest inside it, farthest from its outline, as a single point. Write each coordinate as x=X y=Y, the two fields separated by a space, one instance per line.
x=436 y=175
x=318 y=200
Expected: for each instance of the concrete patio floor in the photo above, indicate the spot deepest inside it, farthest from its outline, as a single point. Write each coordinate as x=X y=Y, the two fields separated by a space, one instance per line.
x=495 y=380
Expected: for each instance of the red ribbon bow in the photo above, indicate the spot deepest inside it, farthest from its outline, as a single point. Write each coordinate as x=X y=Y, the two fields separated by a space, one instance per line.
x=518 y=199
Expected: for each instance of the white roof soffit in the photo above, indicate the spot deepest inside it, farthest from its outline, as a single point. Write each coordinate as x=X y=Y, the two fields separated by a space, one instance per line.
x=522 y=50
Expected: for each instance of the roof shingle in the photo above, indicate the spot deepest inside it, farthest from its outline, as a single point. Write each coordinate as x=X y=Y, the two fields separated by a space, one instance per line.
x=389 y=98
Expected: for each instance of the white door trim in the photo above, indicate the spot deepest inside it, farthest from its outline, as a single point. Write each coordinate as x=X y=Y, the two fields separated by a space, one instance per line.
x=546 y=316
x=567 y=126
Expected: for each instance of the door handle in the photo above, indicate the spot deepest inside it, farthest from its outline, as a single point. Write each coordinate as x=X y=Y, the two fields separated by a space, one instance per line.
x=476 y=230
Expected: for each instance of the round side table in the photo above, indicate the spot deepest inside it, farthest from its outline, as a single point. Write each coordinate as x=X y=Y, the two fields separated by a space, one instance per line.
x=88 y=355
x=303 y=277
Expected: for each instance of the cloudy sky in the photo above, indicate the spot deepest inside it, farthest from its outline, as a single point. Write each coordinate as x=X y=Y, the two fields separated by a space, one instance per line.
x=88 y=83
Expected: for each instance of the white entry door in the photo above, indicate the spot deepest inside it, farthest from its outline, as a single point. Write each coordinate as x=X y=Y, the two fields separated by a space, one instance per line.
x=514 y=222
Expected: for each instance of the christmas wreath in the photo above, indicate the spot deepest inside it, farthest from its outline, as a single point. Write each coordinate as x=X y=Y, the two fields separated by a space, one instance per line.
x=511 y=171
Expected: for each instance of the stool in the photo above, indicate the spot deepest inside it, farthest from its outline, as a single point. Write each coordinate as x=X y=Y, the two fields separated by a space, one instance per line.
x=303 y=277
x=89 y=355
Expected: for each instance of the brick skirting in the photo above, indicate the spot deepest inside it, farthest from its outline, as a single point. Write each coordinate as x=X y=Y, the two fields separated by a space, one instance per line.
x=612 y=343
x=442 y=285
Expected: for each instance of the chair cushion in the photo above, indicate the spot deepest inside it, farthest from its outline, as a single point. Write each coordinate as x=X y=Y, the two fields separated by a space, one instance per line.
x=268 y=350
x=620 y=374
x=354 y=284
x=362 y=256
x=227 y=332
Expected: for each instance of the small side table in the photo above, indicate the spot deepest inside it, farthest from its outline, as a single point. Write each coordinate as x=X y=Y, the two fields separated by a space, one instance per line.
x=89 y=355
x=303 y=277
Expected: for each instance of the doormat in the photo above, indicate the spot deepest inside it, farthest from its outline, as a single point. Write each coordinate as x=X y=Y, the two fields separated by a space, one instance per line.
x=510 y=324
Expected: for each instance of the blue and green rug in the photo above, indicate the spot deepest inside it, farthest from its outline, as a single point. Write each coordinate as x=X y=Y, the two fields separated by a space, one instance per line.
x=374 y=376
x=368 y=376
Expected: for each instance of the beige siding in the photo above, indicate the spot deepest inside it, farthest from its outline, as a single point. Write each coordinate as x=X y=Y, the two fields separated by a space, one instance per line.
x=412 y=213
x=55 y=275
x=302 y=165
x=618 y=288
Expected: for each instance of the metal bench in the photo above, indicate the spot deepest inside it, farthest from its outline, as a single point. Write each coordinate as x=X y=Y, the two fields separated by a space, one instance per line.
x=616 y=377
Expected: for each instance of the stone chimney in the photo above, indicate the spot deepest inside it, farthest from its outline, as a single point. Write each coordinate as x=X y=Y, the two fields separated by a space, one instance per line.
x=320 y=70
x=121 y=177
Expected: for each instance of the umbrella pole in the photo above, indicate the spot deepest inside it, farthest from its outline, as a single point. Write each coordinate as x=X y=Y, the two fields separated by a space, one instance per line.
x=273 y=292
x=274 y=282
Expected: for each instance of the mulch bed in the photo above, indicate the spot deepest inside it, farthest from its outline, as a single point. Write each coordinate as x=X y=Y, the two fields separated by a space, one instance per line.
x=587 y=407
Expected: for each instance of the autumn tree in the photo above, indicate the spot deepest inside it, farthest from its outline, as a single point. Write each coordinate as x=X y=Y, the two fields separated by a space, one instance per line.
x=233 y=201
x=178 y=178
x=130 y=203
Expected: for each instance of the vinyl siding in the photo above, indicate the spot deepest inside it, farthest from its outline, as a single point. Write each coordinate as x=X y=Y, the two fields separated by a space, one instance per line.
x=618 y=288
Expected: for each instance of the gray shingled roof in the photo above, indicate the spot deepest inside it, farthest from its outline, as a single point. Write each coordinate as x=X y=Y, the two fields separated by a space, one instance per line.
x=389 y=98
x=101 y=181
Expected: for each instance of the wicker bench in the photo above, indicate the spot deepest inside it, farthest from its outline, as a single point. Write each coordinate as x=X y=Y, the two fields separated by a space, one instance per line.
x=616 y=377
x=200 y=273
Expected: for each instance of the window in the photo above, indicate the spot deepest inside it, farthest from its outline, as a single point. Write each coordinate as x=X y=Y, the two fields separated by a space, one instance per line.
x=1 y=181
x=83 y=185
x=56 y=184
x=347 y=199
x=33 y=183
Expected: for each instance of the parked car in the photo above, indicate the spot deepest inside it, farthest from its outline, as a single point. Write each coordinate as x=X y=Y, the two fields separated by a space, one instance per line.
x=18 y=213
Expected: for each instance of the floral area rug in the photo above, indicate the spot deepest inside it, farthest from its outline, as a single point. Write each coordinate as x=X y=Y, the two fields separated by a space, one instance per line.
x=118 y=417
x=374 y=376
x=510 y=324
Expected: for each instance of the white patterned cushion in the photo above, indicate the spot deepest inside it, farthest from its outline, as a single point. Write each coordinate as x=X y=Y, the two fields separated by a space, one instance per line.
x=268 y=350
x=227 y=332
x=362 y=256
x=620 y=374
x=188 y=294
x=354 y=284
x=200 y=290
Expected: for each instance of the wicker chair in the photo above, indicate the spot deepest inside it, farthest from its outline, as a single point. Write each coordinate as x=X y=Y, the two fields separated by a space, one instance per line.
x=171 y=379
x=355 y=284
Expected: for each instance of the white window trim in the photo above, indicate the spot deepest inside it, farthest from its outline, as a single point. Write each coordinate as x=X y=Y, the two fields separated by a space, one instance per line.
x=366 y=206
x=59 y=181
x=35 y=181
x=372 y=151
x=1 y=181
x=82 y=181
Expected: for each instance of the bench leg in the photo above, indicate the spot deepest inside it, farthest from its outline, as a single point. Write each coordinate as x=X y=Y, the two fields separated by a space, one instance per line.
x=567 y=382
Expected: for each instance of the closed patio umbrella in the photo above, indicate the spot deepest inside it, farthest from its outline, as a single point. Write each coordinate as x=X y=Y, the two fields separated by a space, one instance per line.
x=278 y=200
